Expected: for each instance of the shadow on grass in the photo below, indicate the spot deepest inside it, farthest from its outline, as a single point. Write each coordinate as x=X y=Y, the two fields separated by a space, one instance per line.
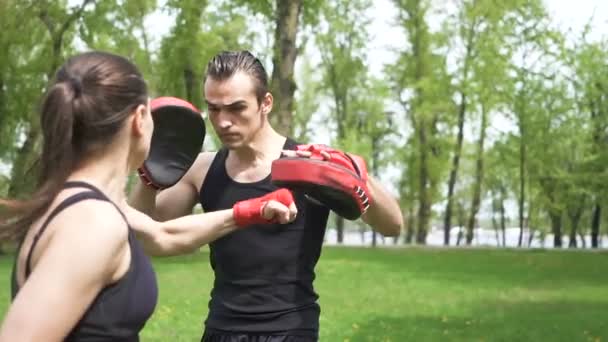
x=524 y=321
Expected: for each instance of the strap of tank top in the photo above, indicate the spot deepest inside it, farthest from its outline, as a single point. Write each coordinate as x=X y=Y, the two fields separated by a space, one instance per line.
x=92 y=193
x=81 y=184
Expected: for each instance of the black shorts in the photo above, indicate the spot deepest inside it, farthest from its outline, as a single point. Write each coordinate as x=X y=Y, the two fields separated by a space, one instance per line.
x=217 y=336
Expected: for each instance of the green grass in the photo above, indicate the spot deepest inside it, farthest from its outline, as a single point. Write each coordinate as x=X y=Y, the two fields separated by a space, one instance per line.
x=416 y=294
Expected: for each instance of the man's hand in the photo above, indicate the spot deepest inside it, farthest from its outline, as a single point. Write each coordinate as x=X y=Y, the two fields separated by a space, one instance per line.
x=350 y=161
x=334 y=186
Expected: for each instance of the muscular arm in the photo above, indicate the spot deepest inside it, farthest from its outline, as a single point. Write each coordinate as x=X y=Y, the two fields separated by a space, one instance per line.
x=384 y=214
x=176 y=201
x=75 y=265
x=168 y=228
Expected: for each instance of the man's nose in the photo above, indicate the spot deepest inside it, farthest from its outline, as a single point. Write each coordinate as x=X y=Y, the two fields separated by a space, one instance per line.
x=224 y=122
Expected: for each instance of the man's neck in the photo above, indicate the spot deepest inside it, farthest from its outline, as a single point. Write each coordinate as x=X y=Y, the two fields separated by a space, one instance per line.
x=266 y=145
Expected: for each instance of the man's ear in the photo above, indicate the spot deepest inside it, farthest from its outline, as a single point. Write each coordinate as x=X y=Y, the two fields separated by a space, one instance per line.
x=138 y=120
x=267 y=102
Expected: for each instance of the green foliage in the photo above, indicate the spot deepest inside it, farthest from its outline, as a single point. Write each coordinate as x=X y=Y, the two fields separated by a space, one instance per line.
x=22 y=70
x=341 y=42
x=504 y=59
x=306 y=105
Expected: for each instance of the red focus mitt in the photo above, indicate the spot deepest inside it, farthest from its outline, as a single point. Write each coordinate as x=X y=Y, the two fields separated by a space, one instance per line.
x=336 y=179
x=179 y=133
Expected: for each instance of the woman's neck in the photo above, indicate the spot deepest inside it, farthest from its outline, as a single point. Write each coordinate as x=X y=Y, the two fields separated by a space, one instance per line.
x=108 y=172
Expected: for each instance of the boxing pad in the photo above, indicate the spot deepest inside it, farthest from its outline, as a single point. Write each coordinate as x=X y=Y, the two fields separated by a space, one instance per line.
x=336 y=179
x=179 y=133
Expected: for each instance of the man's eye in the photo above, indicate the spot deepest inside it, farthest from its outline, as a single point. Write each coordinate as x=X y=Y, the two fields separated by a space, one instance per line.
x=237 y=109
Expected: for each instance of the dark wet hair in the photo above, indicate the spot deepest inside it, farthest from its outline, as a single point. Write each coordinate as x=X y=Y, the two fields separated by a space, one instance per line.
x=227 y=63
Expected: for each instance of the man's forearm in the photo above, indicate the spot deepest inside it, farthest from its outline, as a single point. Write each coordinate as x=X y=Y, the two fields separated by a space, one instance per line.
x=384 y=214
x=143 y=198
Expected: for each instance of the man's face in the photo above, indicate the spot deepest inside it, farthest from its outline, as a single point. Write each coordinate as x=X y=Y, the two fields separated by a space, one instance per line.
x=233 y=109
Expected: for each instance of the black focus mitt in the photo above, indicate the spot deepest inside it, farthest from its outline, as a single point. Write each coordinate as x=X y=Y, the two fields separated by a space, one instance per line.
x=179 y=133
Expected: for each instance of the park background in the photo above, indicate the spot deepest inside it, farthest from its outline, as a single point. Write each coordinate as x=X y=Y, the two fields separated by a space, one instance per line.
x=487 y=120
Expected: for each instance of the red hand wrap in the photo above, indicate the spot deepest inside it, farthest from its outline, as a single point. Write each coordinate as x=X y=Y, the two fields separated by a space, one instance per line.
x=250 y=211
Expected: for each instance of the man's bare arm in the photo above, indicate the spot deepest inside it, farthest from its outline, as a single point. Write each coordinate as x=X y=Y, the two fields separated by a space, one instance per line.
x=176 y=201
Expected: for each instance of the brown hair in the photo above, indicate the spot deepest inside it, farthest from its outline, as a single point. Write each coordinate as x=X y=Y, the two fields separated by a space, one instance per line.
x=226 y=63
x=83 y=109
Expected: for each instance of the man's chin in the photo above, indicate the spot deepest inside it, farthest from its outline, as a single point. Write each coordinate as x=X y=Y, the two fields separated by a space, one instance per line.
x=232 y=144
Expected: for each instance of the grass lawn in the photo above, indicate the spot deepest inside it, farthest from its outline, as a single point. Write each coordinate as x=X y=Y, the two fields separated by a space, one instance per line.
x=415 y=294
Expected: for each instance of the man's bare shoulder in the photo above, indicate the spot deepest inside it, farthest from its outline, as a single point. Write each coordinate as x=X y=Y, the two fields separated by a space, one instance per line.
x=198 y=171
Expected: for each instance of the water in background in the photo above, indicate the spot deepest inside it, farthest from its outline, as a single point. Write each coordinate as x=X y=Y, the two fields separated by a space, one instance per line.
x=482 y=238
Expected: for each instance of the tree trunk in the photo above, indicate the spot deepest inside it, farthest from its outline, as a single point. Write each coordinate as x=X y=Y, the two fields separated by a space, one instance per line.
x=410 y=226
x=190 y=18
x=375 y=168
x=190 y=84
x=461 y=221
x=556 y=228
x=374 y=239
x=582 y=237
x=495 y=225
x=447 y=223
x=595 y=225
x=476 y=200
x=362 y=232
x=531 y=230
x=23 y=174
x=522 y=186
x=575 y=217
x=420 y=119
x=424 y=205
x=3 y=115
x=572 y=242
x=503 y=216
x=285 y=52
x=340 y=229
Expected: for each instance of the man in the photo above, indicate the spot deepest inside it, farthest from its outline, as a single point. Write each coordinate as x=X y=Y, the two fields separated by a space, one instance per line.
x=263 y=289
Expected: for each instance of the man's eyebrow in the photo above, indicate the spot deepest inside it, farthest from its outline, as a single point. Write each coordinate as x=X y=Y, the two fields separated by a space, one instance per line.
x=233 y=104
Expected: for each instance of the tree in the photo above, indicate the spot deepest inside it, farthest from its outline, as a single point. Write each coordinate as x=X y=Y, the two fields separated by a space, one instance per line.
x=421 y=85
x=289 y=17
x=59 y=23
x=341 y=41
x=587 y=62
x=199 y=33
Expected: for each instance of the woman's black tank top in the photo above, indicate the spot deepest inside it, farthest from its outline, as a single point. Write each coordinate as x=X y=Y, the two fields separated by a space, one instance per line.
x=120 y=311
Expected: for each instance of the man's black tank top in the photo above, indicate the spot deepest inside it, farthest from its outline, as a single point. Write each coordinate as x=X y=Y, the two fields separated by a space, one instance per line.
x=263 y=273
x=120 y=311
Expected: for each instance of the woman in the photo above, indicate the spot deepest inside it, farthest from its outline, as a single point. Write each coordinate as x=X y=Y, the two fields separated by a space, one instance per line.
x=80 y=273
